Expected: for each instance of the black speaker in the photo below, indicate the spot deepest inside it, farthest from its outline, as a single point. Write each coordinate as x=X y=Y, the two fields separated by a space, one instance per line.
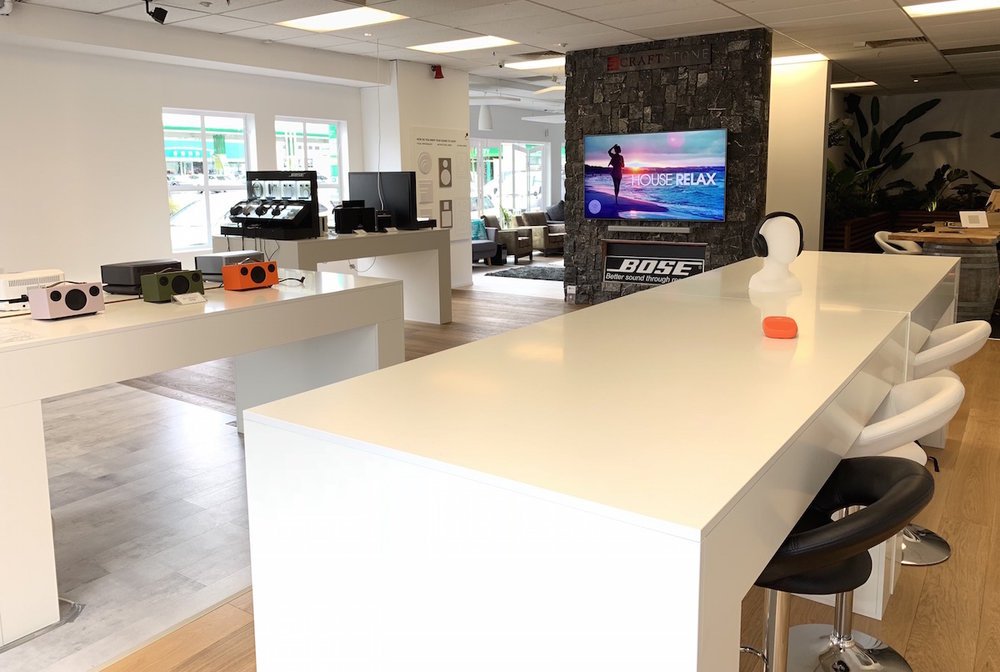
x=346 y=220
x=161 y=287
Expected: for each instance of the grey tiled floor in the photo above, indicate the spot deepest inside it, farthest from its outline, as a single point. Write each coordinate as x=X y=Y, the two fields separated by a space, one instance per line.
x=149 y=504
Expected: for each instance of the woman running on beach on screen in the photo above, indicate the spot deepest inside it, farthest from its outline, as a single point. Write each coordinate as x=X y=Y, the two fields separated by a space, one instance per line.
x=617 y=163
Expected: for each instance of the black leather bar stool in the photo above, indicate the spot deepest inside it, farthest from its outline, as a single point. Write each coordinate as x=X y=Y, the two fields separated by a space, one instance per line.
x=823 y=556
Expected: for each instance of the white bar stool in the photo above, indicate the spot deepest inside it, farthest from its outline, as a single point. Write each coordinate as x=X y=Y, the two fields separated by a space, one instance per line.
x=947 y=346
x=896 y=246
x=910 y=411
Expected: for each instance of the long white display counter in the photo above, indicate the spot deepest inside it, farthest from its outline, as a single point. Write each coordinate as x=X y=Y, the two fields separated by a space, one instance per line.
x=618 y=527
x=285 y=339
x=421 y=259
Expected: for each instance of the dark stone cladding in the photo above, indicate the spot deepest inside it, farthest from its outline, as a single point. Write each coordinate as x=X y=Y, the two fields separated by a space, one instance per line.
x=732 y=92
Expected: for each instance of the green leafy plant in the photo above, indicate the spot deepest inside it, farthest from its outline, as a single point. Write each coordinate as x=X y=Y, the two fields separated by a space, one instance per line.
x=877 y=148
x=505 y=213
x=943 y=180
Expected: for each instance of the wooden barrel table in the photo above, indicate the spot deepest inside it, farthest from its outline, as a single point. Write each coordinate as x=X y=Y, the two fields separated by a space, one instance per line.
x=979 y=275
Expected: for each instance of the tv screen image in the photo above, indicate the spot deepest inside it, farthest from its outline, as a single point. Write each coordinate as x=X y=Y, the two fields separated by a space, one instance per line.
x=677 y=176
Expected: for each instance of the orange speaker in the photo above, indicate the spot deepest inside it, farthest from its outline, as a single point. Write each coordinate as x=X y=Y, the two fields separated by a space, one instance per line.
x=252 y=275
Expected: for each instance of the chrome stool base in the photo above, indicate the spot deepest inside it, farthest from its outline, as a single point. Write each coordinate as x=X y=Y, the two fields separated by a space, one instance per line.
x=922 y=547
x=812 y=648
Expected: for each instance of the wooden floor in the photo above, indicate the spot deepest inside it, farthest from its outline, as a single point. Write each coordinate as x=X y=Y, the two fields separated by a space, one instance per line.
x=943 y=619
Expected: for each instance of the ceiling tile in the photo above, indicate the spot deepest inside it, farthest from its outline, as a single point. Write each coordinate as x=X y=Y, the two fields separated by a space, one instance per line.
x=487 y=15
x=418 y=9
x=888 y=19
x=88 y=6
x=572 y=5
x=271 y=33
x=405 y=33
x=698 y=28
x=285 y=10
x=138 y=13
x=214 y=6
x=319 y=41
x=217 y=24
x=611 y=12
x=679 y=17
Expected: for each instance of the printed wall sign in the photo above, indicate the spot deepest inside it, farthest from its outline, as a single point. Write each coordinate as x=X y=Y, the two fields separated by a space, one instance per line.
x=644 y=262
x=660 y=58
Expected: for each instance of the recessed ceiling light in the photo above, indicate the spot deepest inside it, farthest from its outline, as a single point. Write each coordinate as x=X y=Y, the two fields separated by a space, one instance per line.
x=348 y=18
x=950 y=7
x=538 y=63
x=852 y=85
x=468 y=44
x=551 y=89
x=800 y=58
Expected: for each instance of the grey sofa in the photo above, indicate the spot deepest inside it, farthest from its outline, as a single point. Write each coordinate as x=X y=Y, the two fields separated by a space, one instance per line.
x=546 y=236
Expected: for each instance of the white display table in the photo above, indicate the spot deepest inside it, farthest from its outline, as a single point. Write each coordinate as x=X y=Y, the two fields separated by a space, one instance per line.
x=924 y=287
x=618 y=529
x=421 y=259
x=285 y=339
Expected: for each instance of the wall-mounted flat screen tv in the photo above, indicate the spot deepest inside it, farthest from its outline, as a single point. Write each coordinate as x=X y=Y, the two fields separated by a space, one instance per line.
x=675 y=176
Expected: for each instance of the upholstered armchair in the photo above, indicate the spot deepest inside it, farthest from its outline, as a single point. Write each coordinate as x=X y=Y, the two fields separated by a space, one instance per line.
x=547 y=237
x=517 y=241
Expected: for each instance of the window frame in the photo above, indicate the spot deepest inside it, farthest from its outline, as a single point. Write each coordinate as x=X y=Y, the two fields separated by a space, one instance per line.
x=342 y=162
x=250 y=163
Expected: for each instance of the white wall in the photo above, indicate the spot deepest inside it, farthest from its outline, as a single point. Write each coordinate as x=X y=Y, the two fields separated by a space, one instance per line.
x=82 y=174
x=508 y=125
x=796 y=148
x=414 y=99
x=973 y=113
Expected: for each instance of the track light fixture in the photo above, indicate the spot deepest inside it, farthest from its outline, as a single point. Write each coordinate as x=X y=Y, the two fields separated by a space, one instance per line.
x=158 y=13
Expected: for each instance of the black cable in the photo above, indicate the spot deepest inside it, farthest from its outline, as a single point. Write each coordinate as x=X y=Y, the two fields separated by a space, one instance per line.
x=301 y=280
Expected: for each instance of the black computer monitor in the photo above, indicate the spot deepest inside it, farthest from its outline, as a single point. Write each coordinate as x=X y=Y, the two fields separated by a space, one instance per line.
x=398 y=194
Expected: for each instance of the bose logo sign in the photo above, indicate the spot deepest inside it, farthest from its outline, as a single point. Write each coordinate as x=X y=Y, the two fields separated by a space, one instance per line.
x=679 y=268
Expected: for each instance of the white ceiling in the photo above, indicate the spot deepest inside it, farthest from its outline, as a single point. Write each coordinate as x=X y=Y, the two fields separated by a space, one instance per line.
x=836 y=28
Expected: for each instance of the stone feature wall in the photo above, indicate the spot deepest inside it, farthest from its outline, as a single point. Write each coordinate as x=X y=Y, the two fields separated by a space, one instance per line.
x=731 y=92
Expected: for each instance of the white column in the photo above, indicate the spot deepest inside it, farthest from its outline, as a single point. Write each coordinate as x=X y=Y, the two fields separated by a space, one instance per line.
x=796 y=148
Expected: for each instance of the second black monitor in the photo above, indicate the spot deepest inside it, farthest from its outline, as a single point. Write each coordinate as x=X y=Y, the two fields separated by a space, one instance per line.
x=395 y=192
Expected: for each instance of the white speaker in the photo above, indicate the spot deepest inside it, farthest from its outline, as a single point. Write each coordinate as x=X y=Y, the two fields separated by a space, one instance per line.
x=6 y=6
x=65 y=300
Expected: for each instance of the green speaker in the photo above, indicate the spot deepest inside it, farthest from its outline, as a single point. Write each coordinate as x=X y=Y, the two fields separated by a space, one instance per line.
x=159 y=287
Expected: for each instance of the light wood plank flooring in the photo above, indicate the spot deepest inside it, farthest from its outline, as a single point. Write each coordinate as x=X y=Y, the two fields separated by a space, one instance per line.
x=943 y=619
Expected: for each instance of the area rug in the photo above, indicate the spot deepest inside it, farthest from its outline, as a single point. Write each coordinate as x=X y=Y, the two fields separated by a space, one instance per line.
x=532 y=273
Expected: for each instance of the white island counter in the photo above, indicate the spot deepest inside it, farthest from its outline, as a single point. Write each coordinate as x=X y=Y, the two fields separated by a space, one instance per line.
x=662 y=451
x=285 y=339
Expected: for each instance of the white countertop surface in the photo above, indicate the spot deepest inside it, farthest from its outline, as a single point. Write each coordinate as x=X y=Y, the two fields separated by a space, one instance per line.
x=832 y=279
x=21 y=331
x=661 y=407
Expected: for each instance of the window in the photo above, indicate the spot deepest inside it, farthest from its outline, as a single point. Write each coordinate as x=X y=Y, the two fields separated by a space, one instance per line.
x=511 y=175
x=562 y=172
x=305 y=144
x=207 y=159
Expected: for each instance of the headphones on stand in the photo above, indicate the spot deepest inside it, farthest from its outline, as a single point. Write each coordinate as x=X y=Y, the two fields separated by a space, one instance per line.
x=759 y=242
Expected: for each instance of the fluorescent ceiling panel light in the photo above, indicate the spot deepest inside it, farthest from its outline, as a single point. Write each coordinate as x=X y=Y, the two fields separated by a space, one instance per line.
x=852 y=85
x=800 y=58
x=467 y=44
x=348 y=18
x=538 y=64
x=551 y=89
x=950 y=7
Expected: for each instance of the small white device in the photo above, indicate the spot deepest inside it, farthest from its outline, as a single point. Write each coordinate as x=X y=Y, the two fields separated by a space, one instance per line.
x=973 y=220
x=14 y=286
x=6 y=6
